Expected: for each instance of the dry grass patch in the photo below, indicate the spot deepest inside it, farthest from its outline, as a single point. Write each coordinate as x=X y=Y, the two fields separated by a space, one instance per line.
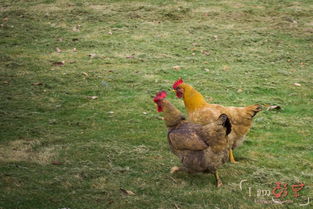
x=25 y=150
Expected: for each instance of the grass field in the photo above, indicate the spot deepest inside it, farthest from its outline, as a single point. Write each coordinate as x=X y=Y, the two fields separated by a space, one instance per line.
x=78 y=125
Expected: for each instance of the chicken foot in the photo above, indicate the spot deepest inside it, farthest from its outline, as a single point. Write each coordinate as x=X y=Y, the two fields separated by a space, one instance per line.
x=176 y=169
x=219 y=182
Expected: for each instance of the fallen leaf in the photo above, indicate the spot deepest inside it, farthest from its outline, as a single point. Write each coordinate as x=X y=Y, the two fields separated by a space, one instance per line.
x=205 y=52
x=76 y=28
x=121 y=169
x=92 y=55
x=130 y=57
x=58 y=50
x=85 y=74
x=56 y=163
x=297 y=84
x=176 y=67
x=37 y=84
x=226 y=68
x=58 y=63
x=92 y=97
x=273 y=107
x=127 y=192
x=176 y=206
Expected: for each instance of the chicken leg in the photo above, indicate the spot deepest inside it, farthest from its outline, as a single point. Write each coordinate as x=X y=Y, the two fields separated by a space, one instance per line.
x=231 y=156
x=219 y=182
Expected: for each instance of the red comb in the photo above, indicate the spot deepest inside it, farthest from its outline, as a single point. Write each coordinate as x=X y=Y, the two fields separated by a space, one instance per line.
x=159 y=96
x=177 y=83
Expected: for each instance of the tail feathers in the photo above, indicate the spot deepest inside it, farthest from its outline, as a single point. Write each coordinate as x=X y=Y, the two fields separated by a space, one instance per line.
x=254 y=109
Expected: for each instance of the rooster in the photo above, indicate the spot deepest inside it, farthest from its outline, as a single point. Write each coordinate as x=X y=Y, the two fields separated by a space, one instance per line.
x=199 y=111
x=201 y=148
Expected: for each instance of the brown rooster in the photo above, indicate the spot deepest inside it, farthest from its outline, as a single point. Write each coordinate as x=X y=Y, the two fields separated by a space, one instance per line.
x=201 y=148
x=199 y=111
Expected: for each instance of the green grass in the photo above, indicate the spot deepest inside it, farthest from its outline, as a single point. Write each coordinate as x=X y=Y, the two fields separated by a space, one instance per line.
x=117 y=141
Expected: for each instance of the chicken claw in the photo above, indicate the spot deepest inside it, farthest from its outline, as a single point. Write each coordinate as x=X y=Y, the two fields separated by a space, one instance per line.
x=174 y=169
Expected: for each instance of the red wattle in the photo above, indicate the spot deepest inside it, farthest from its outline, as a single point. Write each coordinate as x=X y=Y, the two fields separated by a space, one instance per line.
x=179 y=94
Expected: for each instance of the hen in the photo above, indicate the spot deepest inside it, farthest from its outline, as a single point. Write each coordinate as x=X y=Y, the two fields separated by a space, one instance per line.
x=201 y=148
x=199 y=111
